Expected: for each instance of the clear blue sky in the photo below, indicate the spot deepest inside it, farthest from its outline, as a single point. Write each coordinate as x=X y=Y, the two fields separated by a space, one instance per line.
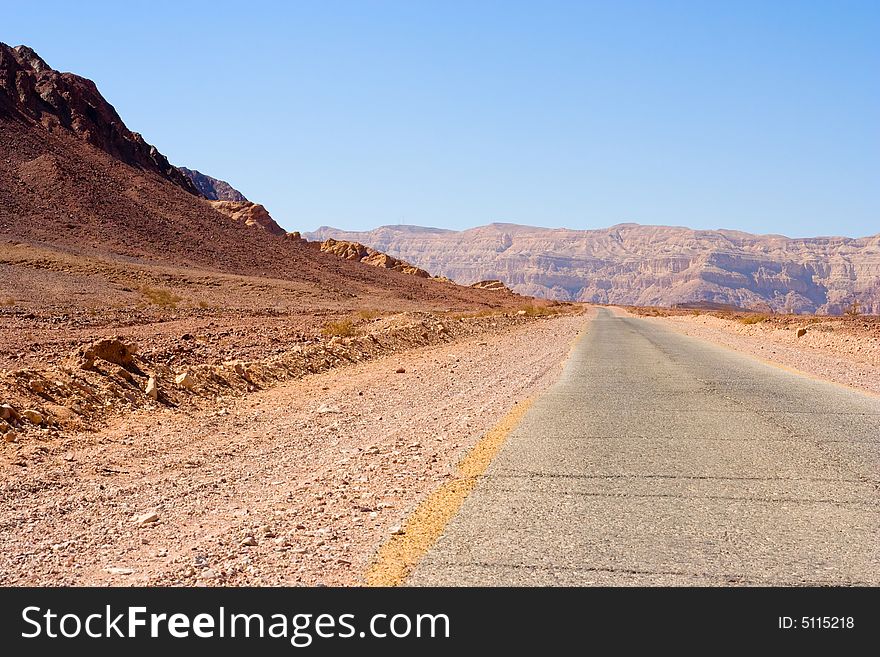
x=760 y=116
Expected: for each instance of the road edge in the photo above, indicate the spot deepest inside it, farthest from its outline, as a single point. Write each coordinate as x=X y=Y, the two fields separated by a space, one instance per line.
x=396 y=559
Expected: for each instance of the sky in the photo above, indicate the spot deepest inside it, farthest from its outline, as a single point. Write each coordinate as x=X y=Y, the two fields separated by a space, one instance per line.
x=756 y=116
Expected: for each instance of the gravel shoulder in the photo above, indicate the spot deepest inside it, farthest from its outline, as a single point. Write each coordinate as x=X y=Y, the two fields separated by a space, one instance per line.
x=296 y=484
x=827 y=348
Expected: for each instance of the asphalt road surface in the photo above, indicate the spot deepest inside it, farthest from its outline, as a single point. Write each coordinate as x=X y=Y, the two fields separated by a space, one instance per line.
x=659 y=459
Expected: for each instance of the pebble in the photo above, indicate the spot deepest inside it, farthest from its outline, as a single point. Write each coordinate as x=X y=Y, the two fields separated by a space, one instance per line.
x=147 y=518
x=152 y=389
x=32 y=416
x=118 y=571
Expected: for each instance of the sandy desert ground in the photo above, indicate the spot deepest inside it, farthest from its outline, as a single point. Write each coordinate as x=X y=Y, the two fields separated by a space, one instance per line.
x=295 y=484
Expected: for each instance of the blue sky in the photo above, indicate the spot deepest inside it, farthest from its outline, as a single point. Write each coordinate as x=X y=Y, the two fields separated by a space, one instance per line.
x=759 y=116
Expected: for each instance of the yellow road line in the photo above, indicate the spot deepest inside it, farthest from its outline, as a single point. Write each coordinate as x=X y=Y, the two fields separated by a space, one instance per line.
x=398 y=556
x=396 y=559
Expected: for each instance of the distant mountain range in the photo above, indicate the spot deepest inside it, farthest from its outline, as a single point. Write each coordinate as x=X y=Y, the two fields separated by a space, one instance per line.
x=646 y=265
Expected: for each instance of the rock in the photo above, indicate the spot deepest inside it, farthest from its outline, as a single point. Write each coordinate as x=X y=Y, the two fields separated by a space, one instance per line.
x=152 y=389
x=32 y=416
x=368 y=256
x=801 y=332
x=397 y=530
x=520 y=312
x=250 y=214
x=492 y=285
x=400 y=370
x=212 y=188
x=8 y=413
x=239 y=368
x=112 y=350
x=324 y=408
x=10 y=437
x=147 y=518
x=248 y=541
x=118 y=571
x=185 y=380
x=124 y=374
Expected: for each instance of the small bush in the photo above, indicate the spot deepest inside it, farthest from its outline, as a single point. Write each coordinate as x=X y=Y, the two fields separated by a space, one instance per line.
x=540 y=311
x=535 y=311
x=369 y=314
x=7 y=302
x=752 y=319
x=159 y=296
x=854 y=309
x=342 y=329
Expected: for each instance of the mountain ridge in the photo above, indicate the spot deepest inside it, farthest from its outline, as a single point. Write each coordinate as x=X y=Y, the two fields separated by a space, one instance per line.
x=638 y=264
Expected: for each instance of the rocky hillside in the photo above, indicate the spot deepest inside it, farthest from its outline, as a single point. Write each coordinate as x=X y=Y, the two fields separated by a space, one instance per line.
x=646 y=265
x=32 y=91
x=212 y=188
x=74 y=180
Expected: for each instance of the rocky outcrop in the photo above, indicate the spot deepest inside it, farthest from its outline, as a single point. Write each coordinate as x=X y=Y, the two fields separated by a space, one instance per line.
x=212 y=188
x=646 y=265
x=368 y=256
x=31 y=91
x=493 y=285
x=250 y=214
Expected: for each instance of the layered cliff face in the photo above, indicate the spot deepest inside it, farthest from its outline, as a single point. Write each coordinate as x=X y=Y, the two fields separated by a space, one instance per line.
x=212 y=188
x=31 y=91
x=646 y=265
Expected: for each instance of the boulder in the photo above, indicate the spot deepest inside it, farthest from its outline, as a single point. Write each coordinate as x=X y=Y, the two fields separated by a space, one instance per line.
x=112 y=350
x=8 y=413
x=152 y=389
x=32 y=416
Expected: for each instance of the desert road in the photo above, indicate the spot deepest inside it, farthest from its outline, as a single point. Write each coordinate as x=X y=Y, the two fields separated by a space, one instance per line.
x=659 y=459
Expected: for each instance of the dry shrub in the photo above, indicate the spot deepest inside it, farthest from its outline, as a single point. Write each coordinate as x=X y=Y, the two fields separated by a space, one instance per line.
x=344 y=328
x=159 y=296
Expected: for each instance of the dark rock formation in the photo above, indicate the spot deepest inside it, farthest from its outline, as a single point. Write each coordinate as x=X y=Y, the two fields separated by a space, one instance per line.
x=212 y=188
